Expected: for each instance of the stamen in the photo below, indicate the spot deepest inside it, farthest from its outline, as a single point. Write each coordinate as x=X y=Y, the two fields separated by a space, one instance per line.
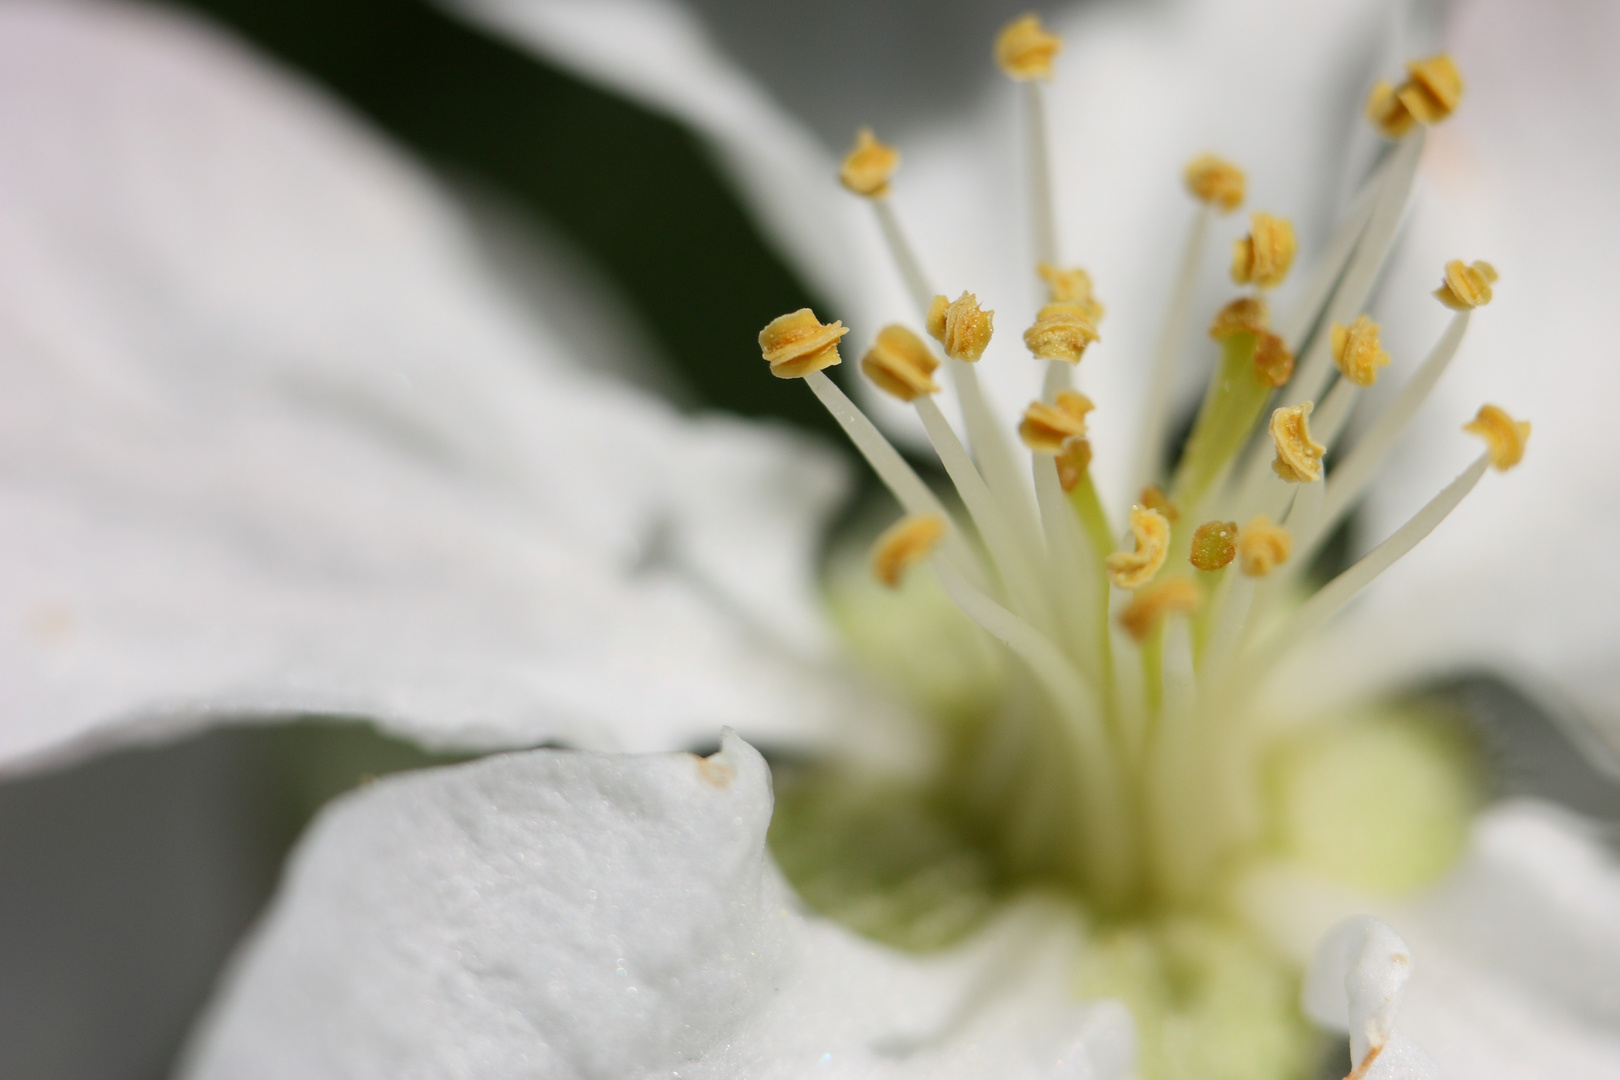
x=1466 y=286
x=905 y=258
x=1350 y=294
x=1133 y=569
x=1356 y=351
x=1299 y=457
x=1433 y=88
x=1264 y=256
x=1273 y=363
x=1237 y=392
x=1216 y=183
x=900 y=363
x=904 y=544
x=1061 y=332
x=869 y=166
x=1342 y=589
x=1025 y=49
x=797 y=344
x=1071 y=286
x=1214 y=545
x=1072 y=462
x=1504 y=436
x=895 y=472
x=1108 y=830
x=1262 y=546
x=1046 y=429
x=1014 y=556
x=1245 y=315
x=1351 y=475
x=1149 y=606
x=1154 y=498
x=961 y=326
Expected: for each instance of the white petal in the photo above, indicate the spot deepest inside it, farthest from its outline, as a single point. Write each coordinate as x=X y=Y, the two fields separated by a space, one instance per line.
x=662 y=57
x=1516 y=950
x=1355 y=982
x=571 y=914
x=273 y=440
x=1517 y=580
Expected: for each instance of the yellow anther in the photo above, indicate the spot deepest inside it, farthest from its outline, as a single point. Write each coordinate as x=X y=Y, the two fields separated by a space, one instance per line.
x=1072 y=462
x=1133 y=569
x=1466 y=286
x=869 y=165
x=1061 y=332
x=1264 y=256
x=1262 y=546
x=1047 y=429
x=961 y=326
x=1356 y=351
x=797 y=344
x=901 y=363
x=1025 y=48
x=1299 y=457
x=904 y=544
x=1149 y=607
x=1504 y=436
x=1216 y=182
x=1273 y=363
x=1071 y=286
x=1245 y=315
x=1214 y=544
x=1154 y=498
x=1432 y=89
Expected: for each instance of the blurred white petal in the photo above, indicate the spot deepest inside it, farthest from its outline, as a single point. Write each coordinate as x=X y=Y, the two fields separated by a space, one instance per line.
x=661 y=56
x=572 y=914
x=1515 y=951
x=273 y=440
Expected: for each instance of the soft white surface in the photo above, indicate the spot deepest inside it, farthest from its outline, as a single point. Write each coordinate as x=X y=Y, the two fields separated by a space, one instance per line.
x=1515 y=952
x=570 y=915
x=273 y=440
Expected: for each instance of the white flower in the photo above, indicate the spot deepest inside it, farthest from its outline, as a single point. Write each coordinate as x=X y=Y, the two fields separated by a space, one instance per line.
x=276 y=444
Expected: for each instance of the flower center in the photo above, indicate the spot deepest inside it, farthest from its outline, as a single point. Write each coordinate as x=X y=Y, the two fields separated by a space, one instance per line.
x=1092 y=677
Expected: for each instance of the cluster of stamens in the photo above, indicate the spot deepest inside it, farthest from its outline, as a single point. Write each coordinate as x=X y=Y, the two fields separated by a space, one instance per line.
x=1130 y=639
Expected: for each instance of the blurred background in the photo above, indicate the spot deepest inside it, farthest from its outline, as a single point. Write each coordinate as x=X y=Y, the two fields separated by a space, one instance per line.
x=125 y=882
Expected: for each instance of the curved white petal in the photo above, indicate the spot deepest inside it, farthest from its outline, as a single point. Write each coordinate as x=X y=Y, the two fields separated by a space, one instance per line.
x=662 y=56
x=1520 y=579
x=572 y=914
x=272 y=439
x=1516 y=950
x=1355 y=984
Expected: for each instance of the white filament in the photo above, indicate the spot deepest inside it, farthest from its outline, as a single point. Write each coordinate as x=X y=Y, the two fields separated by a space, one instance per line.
x=1350 y=477
x=1020 y=571
x=1156 y=410
x=1043 y=212
x=1342 y=589
x=904 y=256
x=896 y=474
